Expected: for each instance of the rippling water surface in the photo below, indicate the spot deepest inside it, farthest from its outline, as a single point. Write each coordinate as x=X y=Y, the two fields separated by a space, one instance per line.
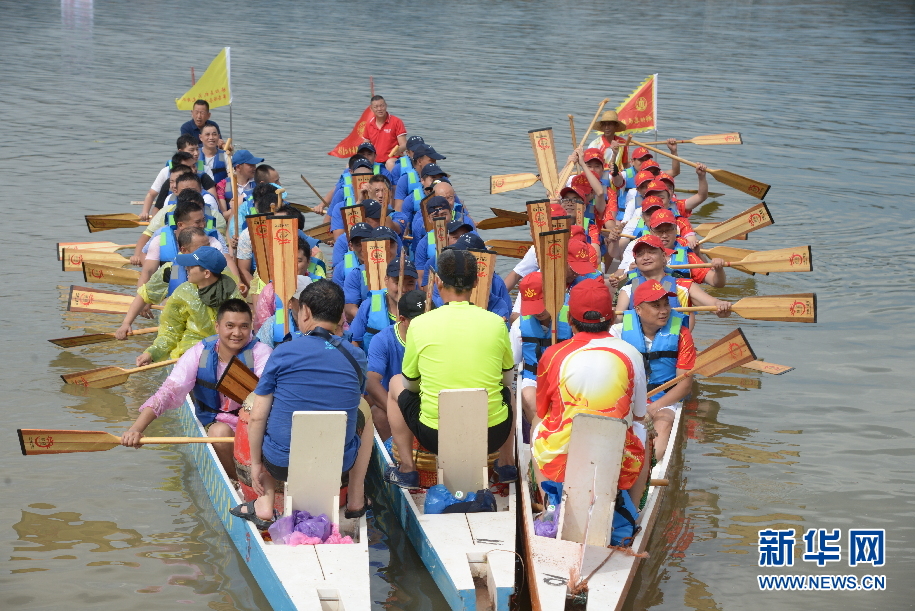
x=822 y=92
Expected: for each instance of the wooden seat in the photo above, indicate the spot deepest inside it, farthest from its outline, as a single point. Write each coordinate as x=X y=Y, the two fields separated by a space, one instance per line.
x=462 y=422
x=315 y=463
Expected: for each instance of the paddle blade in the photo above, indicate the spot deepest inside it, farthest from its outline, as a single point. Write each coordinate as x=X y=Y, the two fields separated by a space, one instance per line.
x=510 y=248
x=96 y=338
x=110 y=275
x=510 y=182
x=715 y=139
x=730 y=351
x=93 y=246
x=103 y=222
x=510 y=214
x=731 y=254
x=798 y=259
x=103 y=377
x=498 y=222
x=801 y=307
x=545 y=156
x=72 y=260
x=749 y=186
x=85 y=299
x=237 y=381
x=764 y=367
x=47 y=441
x=749 y=220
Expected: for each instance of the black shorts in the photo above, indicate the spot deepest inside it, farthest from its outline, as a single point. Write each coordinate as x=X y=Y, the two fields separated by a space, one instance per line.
x=281 y=474
x=409 y=401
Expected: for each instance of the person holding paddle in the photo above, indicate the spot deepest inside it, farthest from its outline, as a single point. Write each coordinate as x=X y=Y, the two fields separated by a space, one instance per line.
x=272 y=330
x=198 y=371
x=379 y=310
x=355 y=287
x=667 y=348
x=189 y=180
x=409 y=183
x=190 y=313
x=441 y=354
x=346 y=195
x=663 y=225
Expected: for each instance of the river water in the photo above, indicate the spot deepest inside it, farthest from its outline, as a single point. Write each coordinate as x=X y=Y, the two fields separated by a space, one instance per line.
x=822 y=92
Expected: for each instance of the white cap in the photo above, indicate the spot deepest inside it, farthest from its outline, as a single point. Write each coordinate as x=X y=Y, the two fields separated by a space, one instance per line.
x=300 y=283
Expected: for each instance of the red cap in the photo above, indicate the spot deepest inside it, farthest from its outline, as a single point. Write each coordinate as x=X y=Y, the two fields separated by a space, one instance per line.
x=649 y=165
x=591 y=295
x=580 y=185
x=531 y=290
x=641 y=152
x=650 y=290
x=593 y=154
x=578 y=232
x=579 y=257
x=650 y=240
x=666 y=177
x=659 y=217
x=557 y=210
x=642 y=177
x=652 y=201
x=656 y=185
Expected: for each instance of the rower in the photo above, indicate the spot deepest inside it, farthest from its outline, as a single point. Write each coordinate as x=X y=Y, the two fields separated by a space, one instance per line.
x=355 y=287
x=314 y=371
x=198 y=371
x=651 y=264
x=499 y=301
x=663 y=224
x=353 y=258
x=372 y=213
x=262 y=174
x=200 y=118
x=608 y=142
x=188 y=155
x=214 y=158
x=455 y=230
x=653 y=205
x=594 y=373
x=379 y=309
x=367 y=150
x=268 y=303
x=163 y=282
x=273 y=331
x=457 y=346
x=190 y=312
x=386 y=132
x=437 y=206
x=345 y=195
x=667 y=350
x=618 y=246
x=188 y=180
x=431 y=177
x=385 y=358
x=405 y=162
x=244 y=164
x=660 y=188
x=409 y=182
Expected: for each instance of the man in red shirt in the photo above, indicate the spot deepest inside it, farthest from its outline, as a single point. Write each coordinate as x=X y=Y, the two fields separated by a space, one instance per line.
x=386 y=133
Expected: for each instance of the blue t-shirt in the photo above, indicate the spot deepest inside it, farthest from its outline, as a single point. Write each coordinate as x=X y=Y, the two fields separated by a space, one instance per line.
x=386 y=354
x=338 y=275
x=360 y=322
x=354 y=288
x=191 y=128
x=341 y=246
x=308 y=374
x=400 y=190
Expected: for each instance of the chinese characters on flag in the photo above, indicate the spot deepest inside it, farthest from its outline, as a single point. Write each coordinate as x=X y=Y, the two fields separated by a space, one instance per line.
x=349 y=145
x=640 y=110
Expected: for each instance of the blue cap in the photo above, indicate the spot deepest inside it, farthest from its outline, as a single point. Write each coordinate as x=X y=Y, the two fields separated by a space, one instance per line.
x=425 y=150
x=245 y=156
x=206 y=257
x=432 y=169
x=435 y=202
x=360 y=231
x=469 y=241
x=366 y=146
x=457 y=224
x=362 y=163
x=304 y=237
x=409 y=269
x=372 y=208
x=414 y=142
x=383 y=233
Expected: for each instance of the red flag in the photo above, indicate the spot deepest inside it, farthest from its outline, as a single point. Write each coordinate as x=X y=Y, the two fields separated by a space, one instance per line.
x=640 y=110
x=349 y=145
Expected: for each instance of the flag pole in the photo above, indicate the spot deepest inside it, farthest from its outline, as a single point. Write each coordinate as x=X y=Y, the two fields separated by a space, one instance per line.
x=229 y=78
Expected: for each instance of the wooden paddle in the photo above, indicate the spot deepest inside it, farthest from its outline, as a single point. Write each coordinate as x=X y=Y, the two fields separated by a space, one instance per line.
x=567 y=170
x=553 y=249
x=279 y=198
x=710 y=194
x=538 y=214
x=730 y=351
x=545 y=155
x=72 y=260
x=106 y=377
x=712 y=139
x=259 y=232
x=321 y=232
x=486 y=267
x=93 y=246
x=315 y=191
x=801 y=307
x=499 y=222
x=753 y=383
x=765 y=261
x=402 y=259
x=741 y=183
x=764 y=367
x=302 y=207
x=440 y=231
x=237 y=381
x=233 y=185
x=109 y=274
x=376 y=264
x=52 y=441
x=510 y=182
x=103 y=222
x=749 y=220
x=96 y=338
x=572 y=131
x=284 y=240
x=98 y=301
x=510 y=214
x=352 y=215
x=430 y=283
x=510 y=248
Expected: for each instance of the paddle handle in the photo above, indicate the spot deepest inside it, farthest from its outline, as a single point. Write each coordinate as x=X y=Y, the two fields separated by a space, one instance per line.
x=315 y=191
x=141 y=331
x=572 y=129
x=665 y=142
x=154 y=440
x=152 y=366
x=670 y=384
x=567 y=170
x=660 y=152
x=698 y=265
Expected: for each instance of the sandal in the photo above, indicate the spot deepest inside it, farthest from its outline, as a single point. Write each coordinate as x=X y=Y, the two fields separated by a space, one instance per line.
x=252 y=516
x=366 y=505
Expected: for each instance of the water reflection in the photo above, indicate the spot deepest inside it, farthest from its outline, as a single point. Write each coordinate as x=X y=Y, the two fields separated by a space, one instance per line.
x=77 y=18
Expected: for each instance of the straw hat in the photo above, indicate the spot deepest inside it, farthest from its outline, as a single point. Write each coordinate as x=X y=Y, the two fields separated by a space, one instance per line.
x=610 y=116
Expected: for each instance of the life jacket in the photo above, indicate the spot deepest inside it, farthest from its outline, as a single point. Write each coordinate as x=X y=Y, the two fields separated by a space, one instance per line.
x=279 y=316
x=640 y=228
x=177 y=277
x=317 y=269
x=209 y=222
x=635 y=278
x=591 y=276
x=168 y=245
x=349 y=197
x=680 y=256
x=535 y=339
x=661 y=361
x=376 y=169
x=350 y=262
x=378 y=317
x=206 y=397
x=415 y=187
x=200 y=167
x=220 y=170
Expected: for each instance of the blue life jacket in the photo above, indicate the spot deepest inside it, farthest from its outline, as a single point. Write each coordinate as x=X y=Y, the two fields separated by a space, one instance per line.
x=640 y=229
x=220 y=170
x=378 y=317
x=350 y=262
x=317 y=269
x=206 y=397
x=679 y=257
x=177 y=277
x=349 y=198
x=279 y=329
x=661 y=361
x=168 y=245
x=591 y=276
x=209 y=223
x=415 y=187
x=635 y=278
x=376 y=168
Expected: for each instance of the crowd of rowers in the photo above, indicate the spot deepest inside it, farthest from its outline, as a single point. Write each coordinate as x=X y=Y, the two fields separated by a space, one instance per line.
x=397 y=347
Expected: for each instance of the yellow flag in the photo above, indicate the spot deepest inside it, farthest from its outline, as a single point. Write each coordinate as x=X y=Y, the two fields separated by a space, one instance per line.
x=215 y=86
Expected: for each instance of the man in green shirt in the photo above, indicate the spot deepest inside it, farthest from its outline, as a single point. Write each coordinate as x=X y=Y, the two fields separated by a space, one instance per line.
x=455 y=346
